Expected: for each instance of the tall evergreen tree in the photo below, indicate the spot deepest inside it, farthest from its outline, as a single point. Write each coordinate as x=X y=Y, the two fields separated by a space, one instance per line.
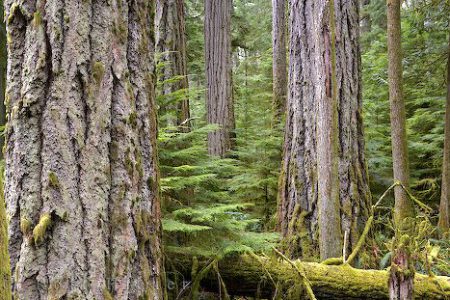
x=81 y=180
x=400 y=283
x=279 y=56
x=171 y=48
x=444 y=208
x=219 y=91
x=310 y=84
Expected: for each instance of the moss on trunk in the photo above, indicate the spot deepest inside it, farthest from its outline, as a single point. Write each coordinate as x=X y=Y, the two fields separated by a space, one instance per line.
x=247 y=276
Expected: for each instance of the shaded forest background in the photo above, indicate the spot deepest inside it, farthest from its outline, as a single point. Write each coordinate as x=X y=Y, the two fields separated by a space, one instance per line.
x=229 y=205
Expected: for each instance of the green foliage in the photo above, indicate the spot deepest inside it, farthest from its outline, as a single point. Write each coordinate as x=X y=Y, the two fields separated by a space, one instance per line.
x=220 y=206
x=424 y=42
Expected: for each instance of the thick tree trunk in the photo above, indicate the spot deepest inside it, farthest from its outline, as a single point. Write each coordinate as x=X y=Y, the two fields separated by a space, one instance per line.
x=279 y=57
x=444 y=208
x=3 y=55
x=330 y=243
x=310 y=82
x=219 y=93
x=400 y=283
x=171 y=45
x=5 y=275
x=81 y=171
x=248 y=276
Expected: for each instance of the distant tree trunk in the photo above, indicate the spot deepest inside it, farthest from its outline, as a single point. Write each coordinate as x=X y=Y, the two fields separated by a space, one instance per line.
x=279 y=57
x=81 y=182
x=366 y=22
x=400 y=285
x=219 y=93
x=444 y=208
x=310 y=84
x=171 y=45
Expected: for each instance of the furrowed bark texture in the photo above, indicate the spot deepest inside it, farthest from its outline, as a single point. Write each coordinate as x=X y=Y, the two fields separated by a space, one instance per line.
x=219 y=93
x=3 y=55
x=444 y=208
x=5 y=271
x=171 y=48
x=400 y=282
x=81 y=169
x=279 y=56
x=249 y=278
x=310 y=82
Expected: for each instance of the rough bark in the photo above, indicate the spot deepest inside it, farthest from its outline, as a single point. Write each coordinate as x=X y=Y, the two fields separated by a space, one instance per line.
x=2 y=75
x=5 y=275
x=81 y=171
x=330 y=243
x=5 y=271
x=171 y=48
x=309 y=80
x=279 y=57
x=249 y=277
x=219 y=93
x=400 y=283
x=444 y=208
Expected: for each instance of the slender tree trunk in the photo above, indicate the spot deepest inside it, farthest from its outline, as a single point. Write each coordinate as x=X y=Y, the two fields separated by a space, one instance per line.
x=279 y=57
x=171 y=45
x=444 y=208
x=219 y=93
x=308 y=149
x=81 y=172
x=366 y=22
x=400 y=283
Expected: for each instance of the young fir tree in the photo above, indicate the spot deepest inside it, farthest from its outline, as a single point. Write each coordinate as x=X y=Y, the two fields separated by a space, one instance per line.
x=171 y=48
x=312 y=65
x=444 y=208
x=401 y=279
x=219 y=91
x=81 y=180
x=279 y=56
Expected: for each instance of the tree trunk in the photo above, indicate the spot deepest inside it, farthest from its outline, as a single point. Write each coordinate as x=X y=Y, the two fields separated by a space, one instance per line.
x=219 y=93
x=444 y=208
x=400 y=283
x=310 y=83
x=3 y=55
x=279 y=57
x=248 y=276
x=5 y=275
x=366 y=22
x=171 y=47
x=81 y=172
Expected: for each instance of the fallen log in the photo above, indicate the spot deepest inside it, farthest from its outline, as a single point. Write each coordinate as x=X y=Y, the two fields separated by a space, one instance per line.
x=247 y=275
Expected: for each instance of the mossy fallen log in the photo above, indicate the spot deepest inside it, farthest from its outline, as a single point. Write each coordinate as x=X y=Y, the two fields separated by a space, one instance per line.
x=247 y=275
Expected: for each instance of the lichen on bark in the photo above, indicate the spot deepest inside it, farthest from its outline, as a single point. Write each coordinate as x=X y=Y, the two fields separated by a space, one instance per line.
x=81 y=104
x=299 y=181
